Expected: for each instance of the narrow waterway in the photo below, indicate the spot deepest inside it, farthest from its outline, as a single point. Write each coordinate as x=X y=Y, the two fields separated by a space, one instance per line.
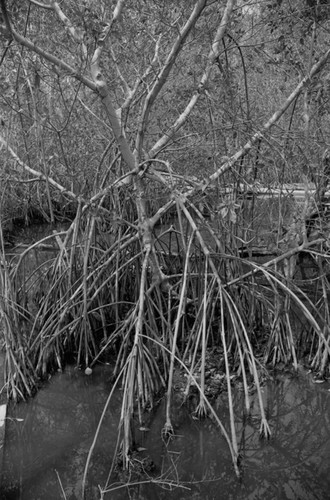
x=48 y=439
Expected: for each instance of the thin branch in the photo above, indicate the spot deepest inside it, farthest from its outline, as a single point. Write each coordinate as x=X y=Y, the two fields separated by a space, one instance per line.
x=94 y=114
x=54 y=60
x=76 y=36
x=162 y=77
x=142 y=78
x=37 y=174
x=105 y=33
x=40 y=4
x=213 y=55
x=276 y=116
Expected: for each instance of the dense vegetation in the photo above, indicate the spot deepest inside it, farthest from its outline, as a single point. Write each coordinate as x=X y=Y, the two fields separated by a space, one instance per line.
x=144 y=125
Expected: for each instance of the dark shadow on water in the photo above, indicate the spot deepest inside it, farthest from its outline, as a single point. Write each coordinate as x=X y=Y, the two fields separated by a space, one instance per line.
x=48 y=439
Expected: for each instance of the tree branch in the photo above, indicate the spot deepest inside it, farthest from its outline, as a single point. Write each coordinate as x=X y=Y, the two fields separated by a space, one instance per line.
x=105 y=33
x=102 y=87
x=213 y=55
x=40 y=4
x=275 y=117
x=37 y=174
x=68 y=24
x=53 y=59
x=162 y=76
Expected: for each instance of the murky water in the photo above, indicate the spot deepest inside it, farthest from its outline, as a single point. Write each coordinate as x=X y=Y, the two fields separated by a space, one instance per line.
x=48 y=439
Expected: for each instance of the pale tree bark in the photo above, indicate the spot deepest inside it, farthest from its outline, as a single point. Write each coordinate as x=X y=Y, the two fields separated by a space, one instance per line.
x=306 y=95
x=39 y=176
x=98 y=84
x=271 y=122
x=165 y=71
x=213 y=55
x=103 y=91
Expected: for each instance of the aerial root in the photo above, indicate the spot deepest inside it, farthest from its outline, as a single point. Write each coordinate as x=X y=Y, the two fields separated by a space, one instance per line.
x=167 y=432
x=201 y=410
x=264 y=431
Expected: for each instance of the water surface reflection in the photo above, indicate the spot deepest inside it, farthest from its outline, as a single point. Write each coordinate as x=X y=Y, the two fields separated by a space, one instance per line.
x=49 y=437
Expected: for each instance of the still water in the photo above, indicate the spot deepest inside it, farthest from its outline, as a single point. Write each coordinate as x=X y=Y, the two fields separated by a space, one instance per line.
x=48 y=439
